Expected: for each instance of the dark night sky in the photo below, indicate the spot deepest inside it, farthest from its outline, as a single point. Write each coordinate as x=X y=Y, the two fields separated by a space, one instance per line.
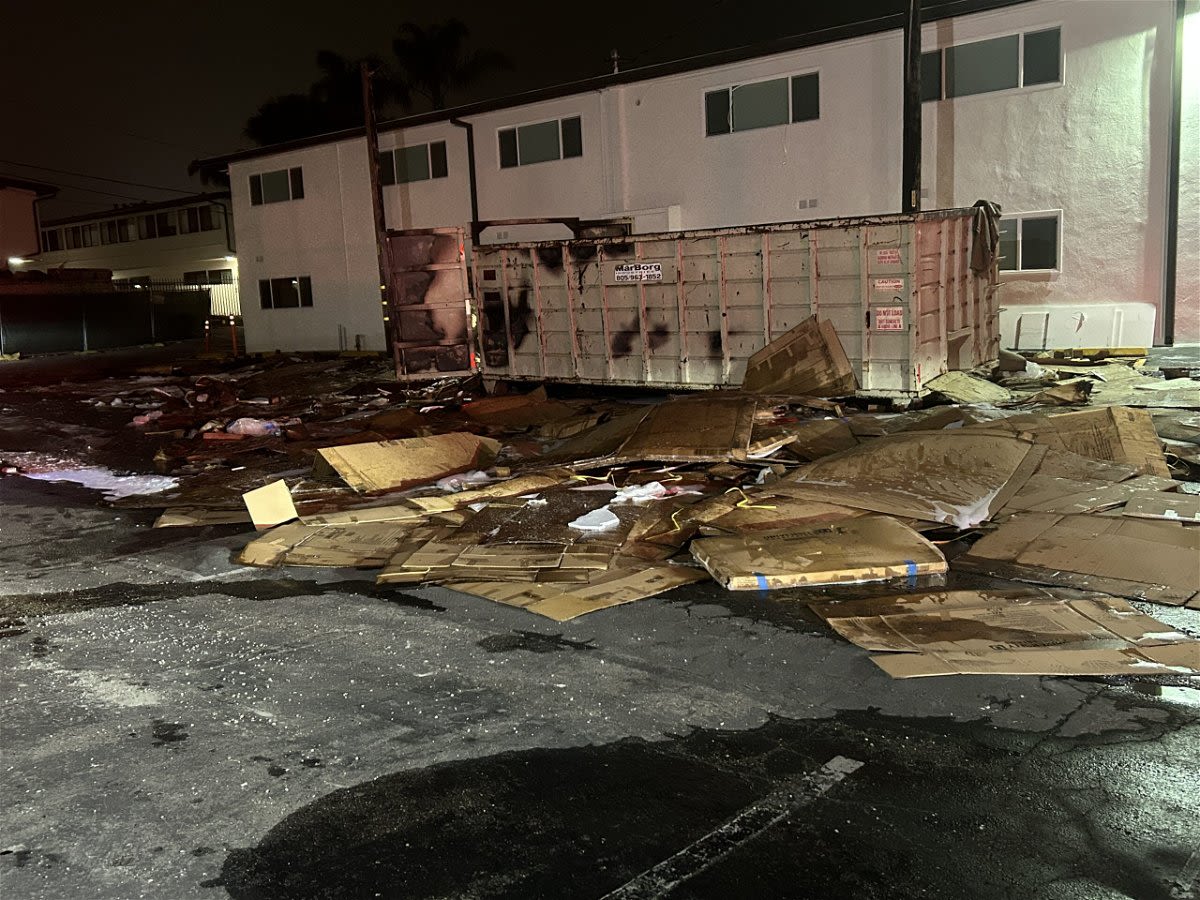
x=133 y=90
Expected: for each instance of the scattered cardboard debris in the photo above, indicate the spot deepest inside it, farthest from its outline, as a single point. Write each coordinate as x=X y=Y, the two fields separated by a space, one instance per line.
x=361 y=545
x=1140 y=558
x=963 y=387
x=807 y=360
x=869 y=548
x=390 y=465
x=270 y=505
x=1161 y=659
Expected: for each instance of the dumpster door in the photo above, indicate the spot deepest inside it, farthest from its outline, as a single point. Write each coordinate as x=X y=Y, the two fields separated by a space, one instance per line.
x=429 y=304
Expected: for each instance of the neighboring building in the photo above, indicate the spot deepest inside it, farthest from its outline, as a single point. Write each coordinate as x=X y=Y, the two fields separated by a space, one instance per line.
x=19 y=221
x=175 y=242
x=1060 y=111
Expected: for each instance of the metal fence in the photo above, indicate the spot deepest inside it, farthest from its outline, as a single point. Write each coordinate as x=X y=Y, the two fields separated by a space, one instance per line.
x=222 y=298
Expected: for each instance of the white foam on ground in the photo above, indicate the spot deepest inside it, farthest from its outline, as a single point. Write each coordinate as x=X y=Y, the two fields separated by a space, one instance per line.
x=114 y=486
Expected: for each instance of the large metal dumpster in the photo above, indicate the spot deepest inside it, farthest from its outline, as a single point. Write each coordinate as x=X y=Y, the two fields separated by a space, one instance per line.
x=689 y=309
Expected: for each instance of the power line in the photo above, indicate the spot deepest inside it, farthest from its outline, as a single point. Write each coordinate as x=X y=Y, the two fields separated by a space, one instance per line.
x=153 y=187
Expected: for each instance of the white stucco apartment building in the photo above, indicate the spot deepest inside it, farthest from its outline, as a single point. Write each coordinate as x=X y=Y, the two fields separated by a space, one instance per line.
x=188 y=241
x=1061 y=111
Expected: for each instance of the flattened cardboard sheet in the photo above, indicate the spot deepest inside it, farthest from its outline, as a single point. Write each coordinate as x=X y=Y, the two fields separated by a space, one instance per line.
x=693 y=429
x=178 y=516
x=1113 y=433
x=1173 y=507
x=960 y=477
x=391 y=465
x=513 y=487
x=368 y=545
x=963 y=387
x=808 y=360
x=991 y=622
x=869 y=548
x=1163 y=659
x=1059 y=495
x=622 y=584
x=1141 y=558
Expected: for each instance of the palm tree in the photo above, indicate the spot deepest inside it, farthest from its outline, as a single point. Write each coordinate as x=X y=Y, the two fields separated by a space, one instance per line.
x=332 y=103
x=433 y=60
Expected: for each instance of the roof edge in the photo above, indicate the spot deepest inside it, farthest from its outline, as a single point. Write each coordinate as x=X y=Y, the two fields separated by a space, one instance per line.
x=891 y=22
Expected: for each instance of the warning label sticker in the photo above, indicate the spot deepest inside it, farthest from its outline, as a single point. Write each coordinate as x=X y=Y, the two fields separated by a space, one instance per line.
x=889 y=285
x=638 y=272
x=889 y=318
x=888 y=256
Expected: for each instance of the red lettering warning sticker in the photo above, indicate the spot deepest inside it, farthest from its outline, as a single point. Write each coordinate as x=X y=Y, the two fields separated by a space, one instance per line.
x=889 y=318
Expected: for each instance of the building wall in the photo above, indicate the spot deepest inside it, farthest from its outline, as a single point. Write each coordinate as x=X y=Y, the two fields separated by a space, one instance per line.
x=1094 y=147
x=328 y=236
x=162 y=259
x=18 y=224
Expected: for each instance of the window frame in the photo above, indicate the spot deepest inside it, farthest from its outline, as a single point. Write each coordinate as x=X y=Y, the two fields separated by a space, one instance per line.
x=1020 y=218
x=293 y=175
x=393 y=154
x=788 y=77
x=1021 y=87
x=516 y=129
x=303 y=292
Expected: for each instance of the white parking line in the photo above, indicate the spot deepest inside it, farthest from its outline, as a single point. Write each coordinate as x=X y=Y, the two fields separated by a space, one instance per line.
x=752 y=821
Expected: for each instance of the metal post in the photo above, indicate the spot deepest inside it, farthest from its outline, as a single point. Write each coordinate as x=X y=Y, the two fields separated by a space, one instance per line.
x=381 y=243
x=910 y=199
x=1171 y=235
x=233 y=335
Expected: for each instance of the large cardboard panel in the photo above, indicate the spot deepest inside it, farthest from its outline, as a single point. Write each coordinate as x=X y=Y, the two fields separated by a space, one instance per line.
x=1114 y=433
x=869 y=548
x=391 y=465
x=960 y=477
x=1164 y=659
x=807 y=360
x=1140 y=558
x=708 y=428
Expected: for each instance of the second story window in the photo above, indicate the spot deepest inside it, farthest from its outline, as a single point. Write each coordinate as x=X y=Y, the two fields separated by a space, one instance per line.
x=996 y=64
x=277 y=187
x=744 y=107
x=417 y=163
x=541 y=142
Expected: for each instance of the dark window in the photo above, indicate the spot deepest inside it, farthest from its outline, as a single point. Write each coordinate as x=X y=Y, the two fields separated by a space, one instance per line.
x=147 y=228
x=572 y=137
x=108 y=233
x=72 y=234
x=982 y=67
x=220 y=276
x=256 y=195
x=931 y=75
x=1039 y=243
x=438 y=166
x=538 y=143
x=91 y=235
x=189 y=220
x=205 y=214
x=1042 y=64
x=760 y=105
x=412 y=163
x=275 y=187
x=508 y=148
x=716 y=112
x=387 y=167
x=806 y=97
x=285 y=293
x=166 y=223
x=1029 y=243
x=51 y=240
x=296 y=176
x=200 y=277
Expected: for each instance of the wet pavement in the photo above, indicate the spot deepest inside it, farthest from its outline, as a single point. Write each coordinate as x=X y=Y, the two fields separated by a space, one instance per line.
x=176 y=725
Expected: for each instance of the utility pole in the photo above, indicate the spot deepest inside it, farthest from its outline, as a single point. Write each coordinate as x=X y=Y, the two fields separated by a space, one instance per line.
x=910 y=199
x=381 y=243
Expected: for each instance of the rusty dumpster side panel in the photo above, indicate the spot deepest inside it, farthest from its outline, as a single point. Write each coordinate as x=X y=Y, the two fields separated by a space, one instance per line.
x=689 y=309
